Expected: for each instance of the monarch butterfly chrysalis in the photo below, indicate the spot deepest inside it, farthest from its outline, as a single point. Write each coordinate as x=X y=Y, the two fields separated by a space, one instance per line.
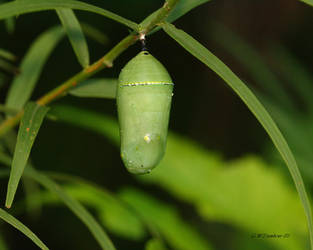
x=144 y=95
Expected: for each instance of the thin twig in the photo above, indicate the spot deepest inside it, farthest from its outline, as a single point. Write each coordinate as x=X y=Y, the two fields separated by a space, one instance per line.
x=105 y=62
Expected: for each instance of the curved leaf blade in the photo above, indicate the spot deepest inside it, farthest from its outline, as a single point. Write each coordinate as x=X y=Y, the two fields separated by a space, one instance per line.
x=70 y=202
x=205 y=56
x=7 y=55
x=96 y=88
x=75 y=34
x=175 y=230
x=252 y=60
x=182 y=8
x=94 y=33
x=29 y=127
x=309 y=2
x=75 y=207
x=31 y=67
x=21 y=7
x=22 y=228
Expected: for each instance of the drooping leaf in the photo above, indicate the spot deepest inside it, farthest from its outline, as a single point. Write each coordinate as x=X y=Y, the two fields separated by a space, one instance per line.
x=180 y=9
x=75 y=34
x=205 y=56
x=31 y=67
x=113 y=213
x=10 y=24
x=7 y=55
x=29 y=127
x=174 y=229
x=87 y=119
x=4 y=65
x=83 y=214
x=94 y=33
x=76 y=208
x=22 y=7
x=253 y=62
x=96 y=88
x=22 y=228
x=295 y=73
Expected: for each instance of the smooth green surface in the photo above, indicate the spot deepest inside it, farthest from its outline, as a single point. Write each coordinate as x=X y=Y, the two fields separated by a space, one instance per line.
x=29 y=127
x=205 y=56
x=31 y=67
x=144 y=96
x=144 y=68
x=22 y=228
x=96 y=88
x=75 y=34
x=22 y=7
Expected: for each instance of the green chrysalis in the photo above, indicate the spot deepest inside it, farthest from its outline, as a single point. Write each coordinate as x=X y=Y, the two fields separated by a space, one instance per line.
x=144 y=95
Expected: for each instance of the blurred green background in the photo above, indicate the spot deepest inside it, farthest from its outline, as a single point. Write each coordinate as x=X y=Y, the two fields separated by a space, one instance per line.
x=222 y=184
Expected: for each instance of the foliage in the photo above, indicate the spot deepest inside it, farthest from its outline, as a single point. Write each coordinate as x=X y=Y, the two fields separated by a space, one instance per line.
x=246 y=194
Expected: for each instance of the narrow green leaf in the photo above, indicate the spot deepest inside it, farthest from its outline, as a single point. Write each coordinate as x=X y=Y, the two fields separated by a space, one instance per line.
x=177 y=232
x=87 y=119
x=114 y=214
x=29 y=127
x=184 y=7
x=7 y=110
x=3 y=245
x=22 y=228
x=94 y=33
x=75 y=207
x=7 y=55
x=75 y=35
x=72 y=204
x=181 y=8
x=155 y=244
x=31 y=67
x=205 y=56
x=309 y=2
x=22 y=7
x=252 y=61
x=10 y=24
x=4 y=65
x=96 y=88
x=295 y=73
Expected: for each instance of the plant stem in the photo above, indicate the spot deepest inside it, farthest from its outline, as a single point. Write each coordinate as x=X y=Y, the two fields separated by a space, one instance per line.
x=104 y=62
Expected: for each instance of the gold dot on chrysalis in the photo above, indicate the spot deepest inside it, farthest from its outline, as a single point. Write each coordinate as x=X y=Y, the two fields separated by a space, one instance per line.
x=147 y=138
